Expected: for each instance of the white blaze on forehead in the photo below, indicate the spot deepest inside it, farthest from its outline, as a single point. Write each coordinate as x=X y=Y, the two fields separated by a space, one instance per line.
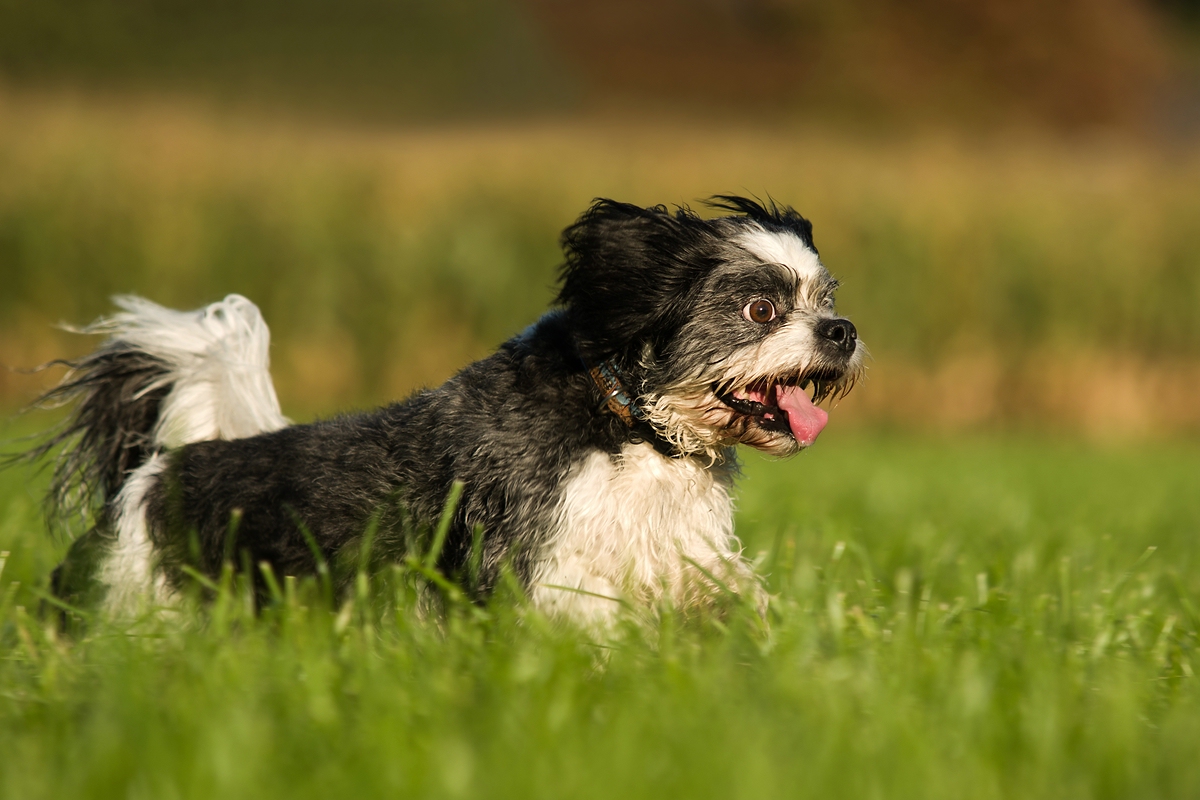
x=781 y=247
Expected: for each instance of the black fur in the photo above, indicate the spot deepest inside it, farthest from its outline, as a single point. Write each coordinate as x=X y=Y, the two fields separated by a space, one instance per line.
x=116 y=392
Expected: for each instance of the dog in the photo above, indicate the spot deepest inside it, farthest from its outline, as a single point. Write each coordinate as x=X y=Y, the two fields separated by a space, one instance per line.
x=591 y=456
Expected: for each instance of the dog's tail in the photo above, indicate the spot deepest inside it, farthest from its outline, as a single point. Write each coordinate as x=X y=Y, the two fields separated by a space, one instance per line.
x=162 y=379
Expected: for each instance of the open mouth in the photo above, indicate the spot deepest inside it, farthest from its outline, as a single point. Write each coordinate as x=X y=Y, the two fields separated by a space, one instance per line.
x=784 y=405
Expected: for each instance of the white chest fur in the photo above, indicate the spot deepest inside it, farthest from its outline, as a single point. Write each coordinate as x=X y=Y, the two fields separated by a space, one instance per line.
x=629 y=527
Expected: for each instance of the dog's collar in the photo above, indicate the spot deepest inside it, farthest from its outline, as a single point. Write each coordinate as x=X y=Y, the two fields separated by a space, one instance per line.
x=617 y=399
x=614 y=395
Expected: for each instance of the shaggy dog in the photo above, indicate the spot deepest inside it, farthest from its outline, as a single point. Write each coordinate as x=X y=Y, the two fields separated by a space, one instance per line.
x=594 y=451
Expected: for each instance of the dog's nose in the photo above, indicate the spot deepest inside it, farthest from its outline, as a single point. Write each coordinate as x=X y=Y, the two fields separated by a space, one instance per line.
x=841 y=333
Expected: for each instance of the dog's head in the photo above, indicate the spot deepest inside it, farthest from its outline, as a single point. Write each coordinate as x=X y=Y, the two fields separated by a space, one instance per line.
x=721 y=327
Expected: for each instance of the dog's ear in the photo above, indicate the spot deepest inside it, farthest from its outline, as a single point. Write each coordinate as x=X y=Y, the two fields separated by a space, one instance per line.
x=630 y=273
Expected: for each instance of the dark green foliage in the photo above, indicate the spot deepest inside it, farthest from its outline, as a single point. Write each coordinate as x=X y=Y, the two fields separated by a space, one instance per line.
x=376 y=59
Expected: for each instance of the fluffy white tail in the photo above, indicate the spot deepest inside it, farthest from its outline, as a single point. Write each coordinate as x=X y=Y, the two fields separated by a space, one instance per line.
x=217 y=365
x=162 y=379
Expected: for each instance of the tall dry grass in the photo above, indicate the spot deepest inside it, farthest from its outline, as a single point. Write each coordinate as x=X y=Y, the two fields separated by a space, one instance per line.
x=1019 y=278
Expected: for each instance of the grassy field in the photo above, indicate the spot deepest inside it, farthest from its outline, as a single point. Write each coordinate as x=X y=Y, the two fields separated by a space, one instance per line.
x=1000 y=616
x=950 y=619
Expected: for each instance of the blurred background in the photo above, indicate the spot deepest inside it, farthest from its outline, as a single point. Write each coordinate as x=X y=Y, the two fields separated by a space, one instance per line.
x=1009 y=190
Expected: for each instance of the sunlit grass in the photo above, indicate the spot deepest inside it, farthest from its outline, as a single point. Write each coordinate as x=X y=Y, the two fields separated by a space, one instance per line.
x=949 y=619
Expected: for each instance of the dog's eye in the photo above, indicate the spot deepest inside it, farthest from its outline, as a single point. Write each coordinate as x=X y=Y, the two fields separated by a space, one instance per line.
x=759 y=311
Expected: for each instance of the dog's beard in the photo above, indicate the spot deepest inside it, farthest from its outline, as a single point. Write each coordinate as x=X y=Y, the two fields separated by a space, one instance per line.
x=766 y=396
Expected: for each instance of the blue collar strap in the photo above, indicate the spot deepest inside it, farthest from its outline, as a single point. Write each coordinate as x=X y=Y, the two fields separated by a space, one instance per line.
x=615 y=395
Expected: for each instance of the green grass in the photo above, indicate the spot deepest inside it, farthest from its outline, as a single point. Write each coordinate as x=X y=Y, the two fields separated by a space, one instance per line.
x=951 y=618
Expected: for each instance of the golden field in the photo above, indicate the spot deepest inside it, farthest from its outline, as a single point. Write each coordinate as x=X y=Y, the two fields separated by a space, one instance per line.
x=1006 y=279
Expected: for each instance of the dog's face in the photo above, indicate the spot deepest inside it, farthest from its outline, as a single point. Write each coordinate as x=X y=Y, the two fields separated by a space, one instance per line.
x=726 y=328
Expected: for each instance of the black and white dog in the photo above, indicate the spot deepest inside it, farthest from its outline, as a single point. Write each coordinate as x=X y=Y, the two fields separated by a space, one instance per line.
x=595 y=449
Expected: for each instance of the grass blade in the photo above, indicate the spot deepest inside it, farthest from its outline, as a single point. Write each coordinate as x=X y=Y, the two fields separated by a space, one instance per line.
x=443 y=527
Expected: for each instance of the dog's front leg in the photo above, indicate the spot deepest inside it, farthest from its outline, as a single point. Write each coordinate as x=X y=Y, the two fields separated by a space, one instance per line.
x=565 y=589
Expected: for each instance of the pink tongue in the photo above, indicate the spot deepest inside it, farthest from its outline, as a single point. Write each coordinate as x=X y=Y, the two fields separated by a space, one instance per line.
x=806 y=420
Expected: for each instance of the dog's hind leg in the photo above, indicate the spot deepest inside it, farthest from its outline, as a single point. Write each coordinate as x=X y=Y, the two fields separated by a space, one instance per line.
x=133 y=584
